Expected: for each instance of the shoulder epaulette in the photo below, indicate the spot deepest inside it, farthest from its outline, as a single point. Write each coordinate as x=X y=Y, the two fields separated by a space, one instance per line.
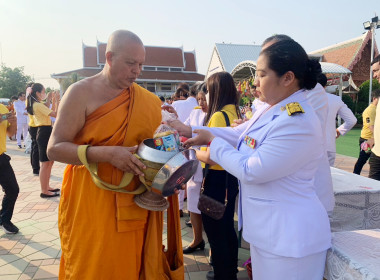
x=294 y=108
x=197 y=107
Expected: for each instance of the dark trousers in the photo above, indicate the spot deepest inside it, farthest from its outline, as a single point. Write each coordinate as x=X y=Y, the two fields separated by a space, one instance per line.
x=34 y=157
x=374 y=167
x=10 y=188
x=363 y=157
x=221 y=233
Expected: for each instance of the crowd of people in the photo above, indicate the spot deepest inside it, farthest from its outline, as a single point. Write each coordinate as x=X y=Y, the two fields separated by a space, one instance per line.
x=274 y=156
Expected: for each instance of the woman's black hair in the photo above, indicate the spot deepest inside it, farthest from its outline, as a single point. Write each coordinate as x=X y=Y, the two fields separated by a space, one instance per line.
x=202 y=88
x=322 y=79
x=222 y=91
x=276 y=38
x=288 y=55
x=32 y=97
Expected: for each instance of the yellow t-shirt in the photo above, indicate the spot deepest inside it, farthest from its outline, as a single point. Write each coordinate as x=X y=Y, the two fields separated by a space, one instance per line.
x=41 y=114
x=3 y=130
x=369 y=116
x=218 y=120
x=376 y=133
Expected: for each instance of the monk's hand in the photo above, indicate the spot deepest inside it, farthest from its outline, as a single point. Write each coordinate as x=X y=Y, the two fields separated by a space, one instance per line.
x=182 y=129
x=204 y=156
x=204 y=137
x=123 y=159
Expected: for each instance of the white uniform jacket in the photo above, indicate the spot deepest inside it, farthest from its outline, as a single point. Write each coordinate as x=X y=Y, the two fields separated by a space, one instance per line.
x=278 y=206
x=196 y=118
x=317 y=98
x=20 y=108
x=337 y=107
x=184 y=107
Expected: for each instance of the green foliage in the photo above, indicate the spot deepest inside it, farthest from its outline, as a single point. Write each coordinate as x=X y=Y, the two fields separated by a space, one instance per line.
x=359 y=117
x=244 y=100
x=12 y=81
x=364 y=91
x=349 y=102
x=73 y=78
x=361 y=106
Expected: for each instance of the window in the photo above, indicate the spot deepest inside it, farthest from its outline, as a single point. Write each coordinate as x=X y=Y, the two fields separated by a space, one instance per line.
x=166 y=87
x=149 y=68
x=151 y=87
x=176 y=69
x=162 y=69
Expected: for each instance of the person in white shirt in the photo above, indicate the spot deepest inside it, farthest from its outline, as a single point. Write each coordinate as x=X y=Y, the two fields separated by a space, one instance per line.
x=196 y=118
x=276 y=158
x=22 y=119
x=183 y=109
x=337 y=107
x=257 y=103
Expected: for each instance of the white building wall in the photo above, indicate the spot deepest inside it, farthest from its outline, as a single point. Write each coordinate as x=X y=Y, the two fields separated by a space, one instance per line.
x=215 y=64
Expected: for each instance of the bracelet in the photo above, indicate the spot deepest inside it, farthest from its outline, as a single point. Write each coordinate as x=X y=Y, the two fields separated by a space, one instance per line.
x=209 y=143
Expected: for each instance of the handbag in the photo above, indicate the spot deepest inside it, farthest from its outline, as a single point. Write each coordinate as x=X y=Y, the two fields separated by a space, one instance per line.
x=207 y=205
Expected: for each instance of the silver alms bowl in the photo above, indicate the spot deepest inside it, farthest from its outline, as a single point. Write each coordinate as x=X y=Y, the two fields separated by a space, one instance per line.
x=175 y=172
x=146 y=150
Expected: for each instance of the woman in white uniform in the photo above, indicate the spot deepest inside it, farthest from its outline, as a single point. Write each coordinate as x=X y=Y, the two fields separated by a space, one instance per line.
x=196 y=118
x=278 y=152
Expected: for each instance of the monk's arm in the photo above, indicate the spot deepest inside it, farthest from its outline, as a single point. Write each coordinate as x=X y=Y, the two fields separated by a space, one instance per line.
x=70 y=120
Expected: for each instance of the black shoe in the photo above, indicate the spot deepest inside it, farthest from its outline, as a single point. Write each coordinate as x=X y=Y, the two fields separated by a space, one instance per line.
x=189 y=249
x=42 y=195
x=36 y=172
x=19 y=146
x=181 y=213
x=55 y=190
x=210 y=275
x=188 y=223
x=9 y=227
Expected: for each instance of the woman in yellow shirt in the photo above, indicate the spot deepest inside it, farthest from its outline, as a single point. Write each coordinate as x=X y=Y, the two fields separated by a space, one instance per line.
x=219 y=184
x=41 y=118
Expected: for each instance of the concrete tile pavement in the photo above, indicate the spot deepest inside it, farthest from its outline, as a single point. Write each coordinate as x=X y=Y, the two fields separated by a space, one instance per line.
x=34 y=252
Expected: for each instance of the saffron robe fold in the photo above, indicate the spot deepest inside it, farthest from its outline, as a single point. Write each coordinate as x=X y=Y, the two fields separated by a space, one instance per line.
x=102 y=232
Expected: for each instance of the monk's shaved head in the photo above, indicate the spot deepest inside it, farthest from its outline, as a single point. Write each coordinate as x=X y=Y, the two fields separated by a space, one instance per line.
x=125 y=56
x=120 y=39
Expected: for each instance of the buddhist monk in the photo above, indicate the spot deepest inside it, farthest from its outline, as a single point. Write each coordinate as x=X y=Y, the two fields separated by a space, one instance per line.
x=104 y=234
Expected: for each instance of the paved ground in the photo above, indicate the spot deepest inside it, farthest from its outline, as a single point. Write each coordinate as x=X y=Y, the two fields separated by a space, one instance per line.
x=34 y=252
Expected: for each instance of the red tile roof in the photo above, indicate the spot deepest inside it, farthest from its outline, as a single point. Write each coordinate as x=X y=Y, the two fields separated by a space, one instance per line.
x=84 y=73
x=347 y=53
x=89 y=56
x=102 y=53
x=162 y=56
x=145 y=75
x=170 y=76
x=190 y=62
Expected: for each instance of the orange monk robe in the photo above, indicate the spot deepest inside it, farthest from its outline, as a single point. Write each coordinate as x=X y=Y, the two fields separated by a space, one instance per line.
x=102 y=232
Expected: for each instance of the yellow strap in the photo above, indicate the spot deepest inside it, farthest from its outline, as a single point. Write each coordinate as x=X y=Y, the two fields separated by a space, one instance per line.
x=93 y=170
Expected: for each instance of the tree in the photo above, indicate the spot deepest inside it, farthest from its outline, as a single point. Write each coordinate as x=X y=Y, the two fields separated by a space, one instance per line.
x=12 y=81
x=363 y=95
x=68 y=81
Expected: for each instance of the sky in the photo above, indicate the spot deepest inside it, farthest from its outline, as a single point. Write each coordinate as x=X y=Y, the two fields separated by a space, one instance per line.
x=45 y=37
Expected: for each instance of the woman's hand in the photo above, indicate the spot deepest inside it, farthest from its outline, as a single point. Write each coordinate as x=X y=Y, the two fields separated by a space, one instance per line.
x=203 y=138
x=204 y=156
x=182 y=129
x=170 y=109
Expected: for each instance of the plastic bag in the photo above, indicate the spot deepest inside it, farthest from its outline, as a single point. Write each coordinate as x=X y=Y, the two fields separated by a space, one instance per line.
x=166 y=138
